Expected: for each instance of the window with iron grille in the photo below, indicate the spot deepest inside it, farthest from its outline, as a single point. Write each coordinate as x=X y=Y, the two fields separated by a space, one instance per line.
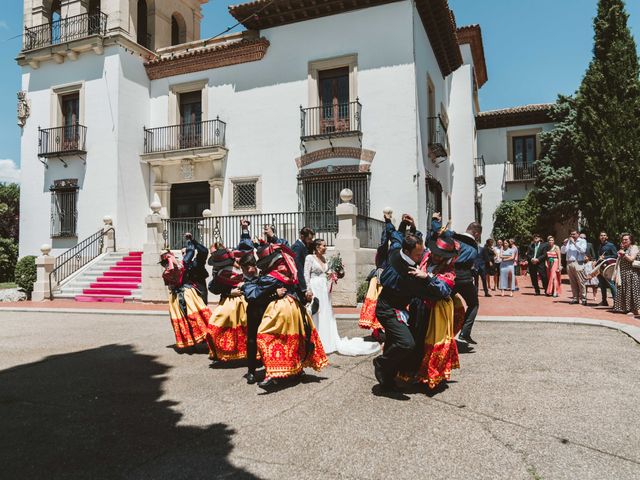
x=322 y=193
x=64 y=213
x=245 y=195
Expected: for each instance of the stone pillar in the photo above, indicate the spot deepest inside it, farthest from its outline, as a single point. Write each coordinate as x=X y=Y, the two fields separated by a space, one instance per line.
x=44 y=266
x=206 y=231
x=109 y=244
x=153 y=288
x=215 y=195
x=347 y=245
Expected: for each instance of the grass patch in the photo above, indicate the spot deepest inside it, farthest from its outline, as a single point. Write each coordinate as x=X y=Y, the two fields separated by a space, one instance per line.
x=4 y=286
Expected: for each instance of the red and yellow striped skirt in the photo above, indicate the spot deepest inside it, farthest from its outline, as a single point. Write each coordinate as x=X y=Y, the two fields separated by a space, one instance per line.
x=368 y=319
x=282 y=341
x=227 y=330
x=191 y=328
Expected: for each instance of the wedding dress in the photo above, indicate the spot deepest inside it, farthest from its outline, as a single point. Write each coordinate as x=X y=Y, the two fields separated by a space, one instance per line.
x=315 y=274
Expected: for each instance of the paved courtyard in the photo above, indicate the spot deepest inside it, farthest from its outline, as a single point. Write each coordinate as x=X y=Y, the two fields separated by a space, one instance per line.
x=102 y=396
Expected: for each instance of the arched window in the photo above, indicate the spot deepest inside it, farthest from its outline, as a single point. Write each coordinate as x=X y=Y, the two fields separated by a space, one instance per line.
x=141 y=29
x=178 y=29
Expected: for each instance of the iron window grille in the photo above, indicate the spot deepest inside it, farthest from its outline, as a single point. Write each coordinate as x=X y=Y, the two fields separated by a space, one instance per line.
x=64 y=212
x=244 y=195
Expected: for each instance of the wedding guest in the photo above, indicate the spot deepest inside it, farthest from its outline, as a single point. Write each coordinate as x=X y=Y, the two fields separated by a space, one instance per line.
x=507 y=270
x=606 y=251
x=627 y=299
x=536 y=255
x=554 y=268
x=497 y=260
x=575 y=248
x=489 y=256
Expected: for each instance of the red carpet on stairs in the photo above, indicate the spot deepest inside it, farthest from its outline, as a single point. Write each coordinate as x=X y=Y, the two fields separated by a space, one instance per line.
x=116 y=283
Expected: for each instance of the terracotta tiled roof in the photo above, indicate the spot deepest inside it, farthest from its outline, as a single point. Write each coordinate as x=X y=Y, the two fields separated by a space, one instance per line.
x=472 y=34
x=436 y=17
x=511 y=117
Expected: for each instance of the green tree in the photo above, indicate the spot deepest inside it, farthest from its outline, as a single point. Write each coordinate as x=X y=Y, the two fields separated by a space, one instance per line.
x=557 y=189
x=606 y=165
x=8 y=258
x=9 y=210
x=516 y=219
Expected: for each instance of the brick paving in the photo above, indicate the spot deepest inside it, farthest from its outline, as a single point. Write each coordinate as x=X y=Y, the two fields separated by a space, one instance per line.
x=523 y=303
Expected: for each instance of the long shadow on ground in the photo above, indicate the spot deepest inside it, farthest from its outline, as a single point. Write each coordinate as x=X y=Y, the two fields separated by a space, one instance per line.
x=97 y=414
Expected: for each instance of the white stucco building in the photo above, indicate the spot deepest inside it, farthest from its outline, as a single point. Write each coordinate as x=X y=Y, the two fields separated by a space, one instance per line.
x=509 y=146
x=129 y=105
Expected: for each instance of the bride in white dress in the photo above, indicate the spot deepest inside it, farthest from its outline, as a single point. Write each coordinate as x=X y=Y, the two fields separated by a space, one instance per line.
x=315 y=275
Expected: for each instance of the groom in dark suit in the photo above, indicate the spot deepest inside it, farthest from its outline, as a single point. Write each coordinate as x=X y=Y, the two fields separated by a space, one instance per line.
x=301 y=249
x=537 y=255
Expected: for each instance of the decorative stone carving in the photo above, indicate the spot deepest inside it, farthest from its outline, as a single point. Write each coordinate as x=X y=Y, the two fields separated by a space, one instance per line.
x=187 y=169
x=24 y=109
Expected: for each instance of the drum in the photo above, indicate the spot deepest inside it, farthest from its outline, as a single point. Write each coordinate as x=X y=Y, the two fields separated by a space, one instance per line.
x=608 y=271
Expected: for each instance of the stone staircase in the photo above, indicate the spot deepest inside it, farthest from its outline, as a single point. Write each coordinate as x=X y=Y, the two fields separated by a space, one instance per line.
x=115 y=277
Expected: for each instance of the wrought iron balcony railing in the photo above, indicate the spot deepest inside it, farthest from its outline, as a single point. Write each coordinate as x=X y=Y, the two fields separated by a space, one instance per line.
x=520 y=172
x=438 y=138
x=480 y=167
x=65 y=30
x=67 y=140
x=329 y=121
x=210 y=133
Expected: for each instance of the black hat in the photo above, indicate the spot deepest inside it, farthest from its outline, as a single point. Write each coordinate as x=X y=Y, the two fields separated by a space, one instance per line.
x=443 y=247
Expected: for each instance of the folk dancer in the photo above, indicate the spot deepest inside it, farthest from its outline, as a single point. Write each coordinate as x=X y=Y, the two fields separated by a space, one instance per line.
x=464 y=286
x=432 y=319
x=256 y=306
x=287 y=339
x=227 y=329
x=188 y=312
x=401 y=283
x=194 y=260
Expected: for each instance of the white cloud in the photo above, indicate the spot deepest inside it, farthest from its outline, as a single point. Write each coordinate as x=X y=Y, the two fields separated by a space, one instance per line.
x=9 y=171
x=3 y=25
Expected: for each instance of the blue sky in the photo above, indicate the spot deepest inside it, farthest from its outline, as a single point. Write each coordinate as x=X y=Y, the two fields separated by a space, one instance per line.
x=534 y=50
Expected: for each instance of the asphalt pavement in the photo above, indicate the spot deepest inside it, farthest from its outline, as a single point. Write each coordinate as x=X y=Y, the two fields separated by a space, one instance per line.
x=104 y=396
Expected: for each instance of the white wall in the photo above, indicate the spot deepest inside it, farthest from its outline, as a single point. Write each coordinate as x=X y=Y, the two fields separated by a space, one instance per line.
x=493 y=145
x=462 y=148
x=260 y=102
x=426 y=66
x=97 y=179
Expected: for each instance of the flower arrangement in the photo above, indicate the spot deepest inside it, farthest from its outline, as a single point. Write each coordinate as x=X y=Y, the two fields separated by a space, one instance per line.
x=335 y=267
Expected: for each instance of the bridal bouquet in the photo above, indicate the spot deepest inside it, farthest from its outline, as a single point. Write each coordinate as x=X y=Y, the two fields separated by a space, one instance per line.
x=336 y=269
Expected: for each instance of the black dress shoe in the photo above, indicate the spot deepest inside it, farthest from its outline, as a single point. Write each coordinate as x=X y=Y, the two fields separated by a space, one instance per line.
x=251 y=378
x=573 y=302
x=488 y=295
x=268 y=383
x=584 y=302
x=467 y=339
x=603 y=303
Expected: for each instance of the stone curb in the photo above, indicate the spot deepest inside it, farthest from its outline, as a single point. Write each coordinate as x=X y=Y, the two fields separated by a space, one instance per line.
x=630 y=330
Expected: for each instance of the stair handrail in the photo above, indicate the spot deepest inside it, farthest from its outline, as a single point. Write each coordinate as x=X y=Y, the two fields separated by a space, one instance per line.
x=72 y=260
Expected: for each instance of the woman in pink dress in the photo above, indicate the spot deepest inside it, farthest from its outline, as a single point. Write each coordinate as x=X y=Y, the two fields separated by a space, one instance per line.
x=554 y=269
